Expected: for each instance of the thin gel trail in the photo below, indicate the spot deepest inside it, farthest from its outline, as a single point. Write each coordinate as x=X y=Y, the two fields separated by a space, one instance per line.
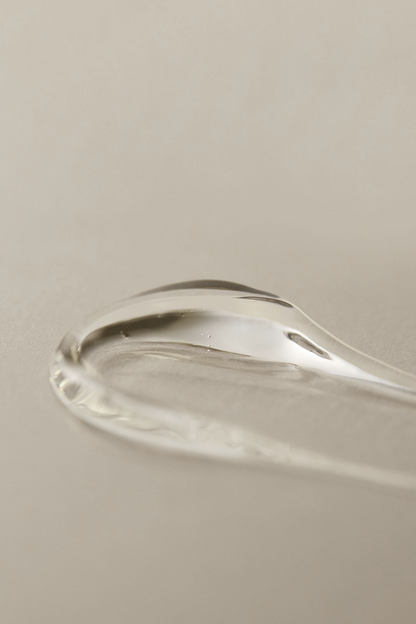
x=220 y=369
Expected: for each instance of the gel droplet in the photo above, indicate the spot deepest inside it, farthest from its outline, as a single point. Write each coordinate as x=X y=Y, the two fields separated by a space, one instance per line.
x=272 y=387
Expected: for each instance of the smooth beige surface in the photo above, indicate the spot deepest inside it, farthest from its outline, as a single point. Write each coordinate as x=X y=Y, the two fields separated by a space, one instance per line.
x=270 y=143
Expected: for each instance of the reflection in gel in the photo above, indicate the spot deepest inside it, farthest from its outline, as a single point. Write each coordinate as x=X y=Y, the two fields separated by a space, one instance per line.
x=224 y=370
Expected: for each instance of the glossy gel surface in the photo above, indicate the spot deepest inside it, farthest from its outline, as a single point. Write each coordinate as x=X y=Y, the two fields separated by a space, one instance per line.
x=227 y=371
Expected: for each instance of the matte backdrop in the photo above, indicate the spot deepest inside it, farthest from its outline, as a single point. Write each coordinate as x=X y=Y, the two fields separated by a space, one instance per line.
x=143 y=143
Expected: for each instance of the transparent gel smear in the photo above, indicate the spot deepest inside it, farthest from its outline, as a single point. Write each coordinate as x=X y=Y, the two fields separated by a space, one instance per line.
x=223 y=370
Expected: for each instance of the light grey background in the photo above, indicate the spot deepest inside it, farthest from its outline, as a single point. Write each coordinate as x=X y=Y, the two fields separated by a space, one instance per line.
x=142 y=143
